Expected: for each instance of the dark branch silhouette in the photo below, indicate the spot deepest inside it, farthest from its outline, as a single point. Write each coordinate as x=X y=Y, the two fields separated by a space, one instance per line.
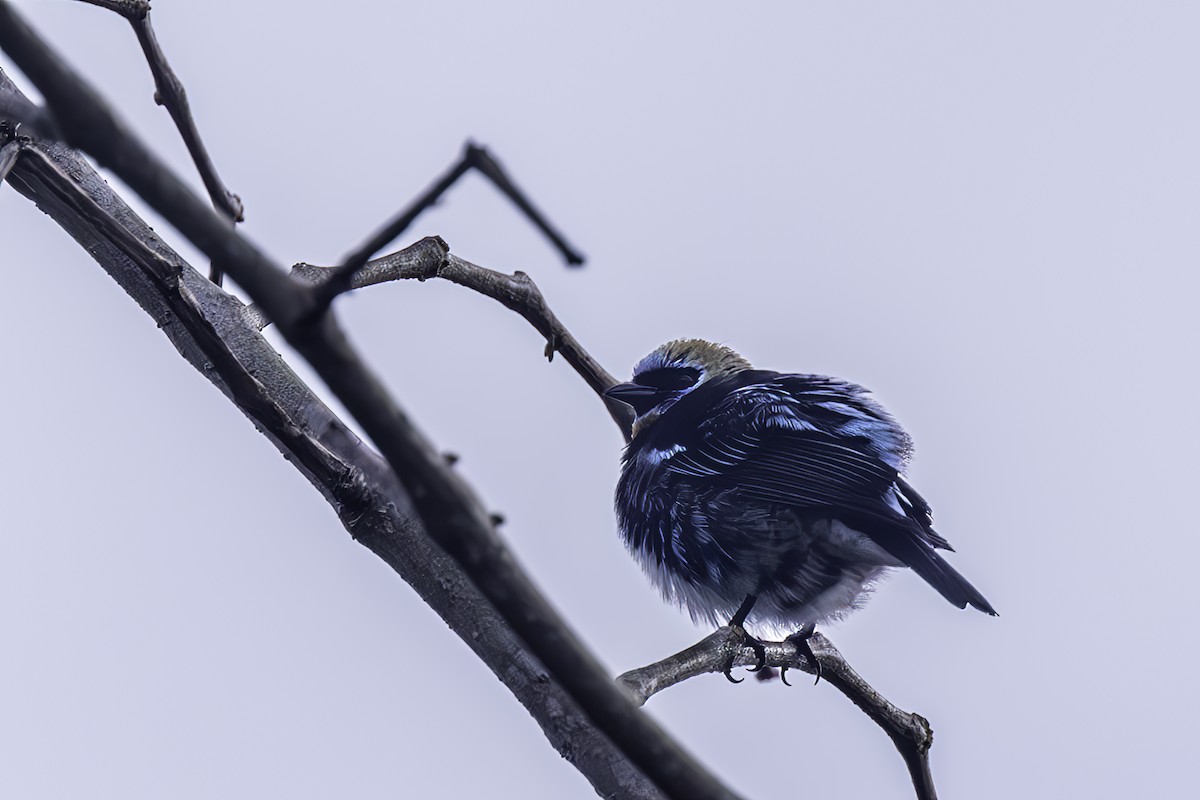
x=340 y=279
x=517 y=292
x=210 y=330
x=483 y=161
x=170 y=94
x=20 y=112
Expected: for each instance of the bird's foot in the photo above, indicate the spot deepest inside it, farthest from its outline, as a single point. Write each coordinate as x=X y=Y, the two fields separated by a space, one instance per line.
x=744 y=639
x=800 y=640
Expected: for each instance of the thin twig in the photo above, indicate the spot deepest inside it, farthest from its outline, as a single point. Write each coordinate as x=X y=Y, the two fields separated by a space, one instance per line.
x=910 y=733
x=483 y=161
x=170 y=94
x=341 y=278
x=90 y=125
x=426 y=259
x=473 y=157
x=451 y=513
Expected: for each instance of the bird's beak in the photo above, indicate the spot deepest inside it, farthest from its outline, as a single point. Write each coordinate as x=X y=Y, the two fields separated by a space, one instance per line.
x=640 y=398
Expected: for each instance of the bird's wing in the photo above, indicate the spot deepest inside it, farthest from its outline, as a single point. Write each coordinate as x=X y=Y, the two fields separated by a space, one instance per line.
x=819 y=445
x=764 y=444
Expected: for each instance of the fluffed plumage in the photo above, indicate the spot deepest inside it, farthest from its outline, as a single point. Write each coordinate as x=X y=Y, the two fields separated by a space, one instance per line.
x=787 y=488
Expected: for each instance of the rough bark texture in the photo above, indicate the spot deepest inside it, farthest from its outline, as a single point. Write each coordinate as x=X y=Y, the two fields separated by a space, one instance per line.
x=214 y=332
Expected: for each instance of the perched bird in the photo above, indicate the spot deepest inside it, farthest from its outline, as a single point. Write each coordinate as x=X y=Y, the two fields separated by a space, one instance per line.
x=769 y=498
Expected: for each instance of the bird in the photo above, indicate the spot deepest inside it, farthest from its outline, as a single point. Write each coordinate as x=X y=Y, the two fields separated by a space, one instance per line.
x=768 y=499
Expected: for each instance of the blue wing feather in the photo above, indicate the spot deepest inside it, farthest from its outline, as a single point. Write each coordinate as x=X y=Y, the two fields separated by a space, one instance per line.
x=820 y=446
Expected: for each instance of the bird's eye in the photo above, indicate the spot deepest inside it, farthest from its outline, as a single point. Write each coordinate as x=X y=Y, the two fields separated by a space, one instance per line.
x=669 y=379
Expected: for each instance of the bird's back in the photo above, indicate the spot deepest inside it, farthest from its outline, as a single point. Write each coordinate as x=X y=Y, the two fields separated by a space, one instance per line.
x=783 y=485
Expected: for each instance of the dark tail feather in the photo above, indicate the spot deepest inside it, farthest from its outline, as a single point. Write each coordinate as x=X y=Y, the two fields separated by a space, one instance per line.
x=947 y=580
x=905 y=545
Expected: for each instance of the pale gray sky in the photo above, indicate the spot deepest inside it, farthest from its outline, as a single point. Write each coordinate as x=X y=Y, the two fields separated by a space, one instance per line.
x=984 y=212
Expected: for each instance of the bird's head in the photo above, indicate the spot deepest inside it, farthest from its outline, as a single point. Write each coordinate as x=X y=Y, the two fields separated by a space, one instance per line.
x=670 y=372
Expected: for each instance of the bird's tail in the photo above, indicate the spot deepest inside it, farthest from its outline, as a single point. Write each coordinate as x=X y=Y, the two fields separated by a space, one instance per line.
x=937 y=572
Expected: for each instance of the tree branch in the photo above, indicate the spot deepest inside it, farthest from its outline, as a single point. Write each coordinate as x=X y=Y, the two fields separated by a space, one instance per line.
x=517 y=292
x=169 y=93
x=909 y=732
x=338 y=279
x=451 y=513
x=18 y=110
x=132 y=10
x=208 y=328
x=483 y=161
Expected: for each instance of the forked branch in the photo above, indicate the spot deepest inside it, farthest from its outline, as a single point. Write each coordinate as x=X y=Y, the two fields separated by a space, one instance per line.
x=208 y=327
x=336 y=280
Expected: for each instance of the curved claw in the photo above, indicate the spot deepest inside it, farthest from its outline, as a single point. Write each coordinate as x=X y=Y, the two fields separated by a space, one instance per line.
x=760 y=653
x=783 y=676
x=800 y=640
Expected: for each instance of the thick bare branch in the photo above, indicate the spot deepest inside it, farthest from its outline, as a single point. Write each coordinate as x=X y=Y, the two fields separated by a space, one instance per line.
x=452 y=515
x=91 y=126
x=18 y=110
x=208 y=327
